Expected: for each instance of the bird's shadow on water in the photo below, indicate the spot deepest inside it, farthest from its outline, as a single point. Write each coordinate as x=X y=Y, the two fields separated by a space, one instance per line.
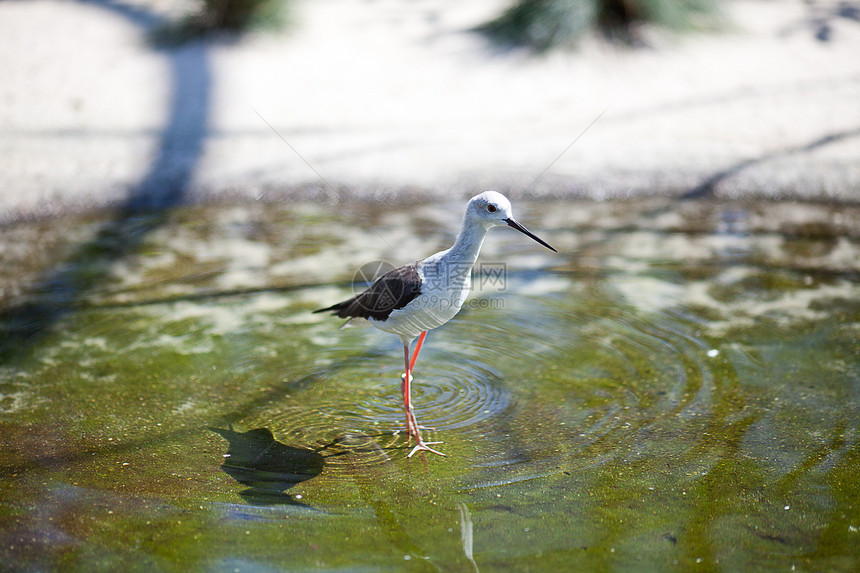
x=145 y=207
x=266 y=466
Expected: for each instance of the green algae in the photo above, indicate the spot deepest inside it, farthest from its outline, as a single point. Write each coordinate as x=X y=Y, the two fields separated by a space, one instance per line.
x=687 y=398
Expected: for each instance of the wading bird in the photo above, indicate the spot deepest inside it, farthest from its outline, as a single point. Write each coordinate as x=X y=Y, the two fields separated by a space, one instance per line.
x=412 y=299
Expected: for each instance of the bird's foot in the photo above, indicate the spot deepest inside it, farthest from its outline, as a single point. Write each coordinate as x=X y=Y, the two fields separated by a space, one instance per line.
x=425 y=447
x=420 y=445
x=412 y=425
x=413 y=431
x=413 y=428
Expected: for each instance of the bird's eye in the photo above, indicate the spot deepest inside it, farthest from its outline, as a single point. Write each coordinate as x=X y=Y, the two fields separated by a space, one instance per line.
x=491 y=208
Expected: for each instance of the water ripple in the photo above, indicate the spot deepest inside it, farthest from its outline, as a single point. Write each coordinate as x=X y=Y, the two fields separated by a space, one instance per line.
x=532 y=390
x=354 y=409
x=627 y=383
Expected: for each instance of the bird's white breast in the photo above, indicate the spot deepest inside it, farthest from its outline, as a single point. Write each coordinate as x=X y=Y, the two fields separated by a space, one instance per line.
x=445 y=286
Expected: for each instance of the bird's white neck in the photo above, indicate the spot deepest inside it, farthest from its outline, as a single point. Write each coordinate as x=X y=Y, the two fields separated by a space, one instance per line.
x=468 y=244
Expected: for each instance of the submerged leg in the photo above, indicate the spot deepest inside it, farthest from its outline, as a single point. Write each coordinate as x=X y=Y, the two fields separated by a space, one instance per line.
x=411 y=422
x=406 y=389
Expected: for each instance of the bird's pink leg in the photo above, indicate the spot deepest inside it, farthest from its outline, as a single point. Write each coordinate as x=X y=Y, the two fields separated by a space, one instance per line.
x=406 y=387
x=412 y=427
x=417 y=350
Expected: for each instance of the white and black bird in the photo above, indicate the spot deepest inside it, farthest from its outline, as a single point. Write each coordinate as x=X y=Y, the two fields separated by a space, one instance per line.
x=412 y=299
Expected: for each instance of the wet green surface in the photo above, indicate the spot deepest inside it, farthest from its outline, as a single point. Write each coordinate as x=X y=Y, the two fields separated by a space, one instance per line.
x=679 y=387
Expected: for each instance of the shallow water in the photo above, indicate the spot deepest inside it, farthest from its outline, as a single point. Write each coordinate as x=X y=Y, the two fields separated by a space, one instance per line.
x=680 y=386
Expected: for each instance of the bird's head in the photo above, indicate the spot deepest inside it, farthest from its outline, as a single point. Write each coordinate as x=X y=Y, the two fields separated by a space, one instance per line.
x=492 y=209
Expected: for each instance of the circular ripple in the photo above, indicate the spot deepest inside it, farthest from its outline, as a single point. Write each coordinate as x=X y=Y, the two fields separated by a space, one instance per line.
x=533 y=397
x=458 y=398
x=622 y=385
x=353 y=414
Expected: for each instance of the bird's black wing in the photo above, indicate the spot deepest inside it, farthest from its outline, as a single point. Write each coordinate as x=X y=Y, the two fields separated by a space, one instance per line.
x=392 y=291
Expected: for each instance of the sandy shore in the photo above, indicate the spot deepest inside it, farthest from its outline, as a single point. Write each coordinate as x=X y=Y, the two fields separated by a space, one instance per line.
x=387 y=98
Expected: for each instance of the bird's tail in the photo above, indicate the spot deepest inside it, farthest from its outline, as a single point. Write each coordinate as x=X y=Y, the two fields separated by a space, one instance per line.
x=332 y=308
x=338 y=309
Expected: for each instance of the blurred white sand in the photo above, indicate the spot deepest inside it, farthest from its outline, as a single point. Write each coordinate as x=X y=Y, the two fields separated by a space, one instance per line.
x=389 y=98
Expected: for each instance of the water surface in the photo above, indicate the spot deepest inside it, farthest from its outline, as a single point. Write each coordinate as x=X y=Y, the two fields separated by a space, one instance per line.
x=679 y=386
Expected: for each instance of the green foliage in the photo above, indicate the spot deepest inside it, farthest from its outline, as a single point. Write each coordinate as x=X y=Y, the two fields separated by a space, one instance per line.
x=542 y=24
x=234 y=16
x=546 y=24
x=238 y=15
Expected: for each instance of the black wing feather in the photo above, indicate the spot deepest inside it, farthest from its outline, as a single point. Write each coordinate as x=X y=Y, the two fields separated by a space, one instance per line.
x=392 y=291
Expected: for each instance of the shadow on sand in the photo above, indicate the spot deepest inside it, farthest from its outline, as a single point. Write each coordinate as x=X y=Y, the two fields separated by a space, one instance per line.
x=143 y=210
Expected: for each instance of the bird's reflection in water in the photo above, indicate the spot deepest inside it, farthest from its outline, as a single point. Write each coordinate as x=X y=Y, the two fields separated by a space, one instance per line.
x=268 y=467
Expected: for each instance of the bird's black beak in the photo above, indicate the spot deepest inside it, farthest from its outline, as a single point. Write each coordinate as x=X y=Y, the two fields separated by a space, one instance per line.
x=524 y=231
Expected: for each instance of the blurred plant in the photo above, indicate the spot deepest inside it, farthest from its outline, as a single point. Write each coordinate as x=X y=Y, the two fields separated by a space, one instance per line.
x=226 y=15
x=822 y=17
x=546 y=24
x=238 y=15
